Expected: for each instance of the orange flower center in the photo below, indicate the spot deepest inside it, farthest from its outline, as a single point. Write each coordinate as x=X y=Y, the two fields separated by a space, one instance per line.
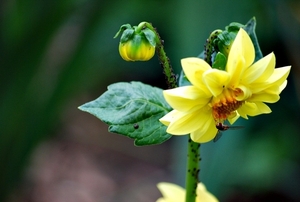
x=225 y=105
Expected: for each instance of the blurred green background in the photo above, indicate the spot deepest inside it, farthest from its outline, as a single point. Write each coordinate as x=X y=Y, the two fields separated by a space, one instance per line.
x=57 y=55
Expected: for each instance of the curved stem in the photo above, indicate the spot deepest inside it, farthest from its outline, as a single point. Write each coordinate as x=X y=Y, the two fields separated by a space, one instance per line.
x=193 y=169
x=163 y=58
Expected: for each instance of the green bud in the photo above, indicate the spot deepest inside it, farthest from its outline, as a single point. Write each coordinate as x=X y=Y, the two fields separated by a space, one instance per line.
x=219 y=61
x=137 y=43
x=219 y=44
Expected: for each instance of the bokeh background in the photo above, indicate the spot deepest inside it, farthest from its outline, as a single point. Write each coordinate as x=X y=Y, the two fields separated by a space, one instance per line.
x=57 y=55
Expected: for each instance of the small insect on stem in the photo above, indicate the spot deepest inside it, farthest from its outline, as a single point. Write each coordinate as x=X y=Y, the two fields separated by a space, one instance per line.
x=221 y=127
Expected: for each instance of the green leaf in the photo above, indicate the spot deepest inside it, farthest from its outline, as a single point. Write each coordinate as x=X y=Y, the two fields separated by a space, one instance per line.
x=133 y=110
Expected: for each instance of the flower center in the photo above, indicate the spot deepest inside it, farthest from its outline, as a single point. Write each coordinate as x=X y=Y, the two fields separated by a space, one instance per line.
x=225 y=105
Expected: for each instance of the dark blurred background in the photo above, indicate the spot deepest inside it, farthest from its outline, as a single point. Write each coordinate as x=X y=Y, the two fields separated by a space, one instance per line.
x=57 y=55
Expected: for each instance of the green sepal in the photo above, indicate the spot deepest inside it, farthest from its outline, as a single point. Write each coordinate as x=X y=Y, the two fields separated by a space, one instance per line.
x=250 y=29
x=234 y=27
x=150 y=36
x=122 y=29
x=226 y=38
x=126 y=32
x=127 y=35
x=183 y=80
x=220 y=61
x=133 y=110
x=136 y=41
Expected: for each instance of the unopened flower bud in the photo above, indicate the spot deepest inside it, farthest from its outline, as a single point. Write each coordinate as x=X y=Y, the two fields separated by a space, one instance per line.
x=137 y=43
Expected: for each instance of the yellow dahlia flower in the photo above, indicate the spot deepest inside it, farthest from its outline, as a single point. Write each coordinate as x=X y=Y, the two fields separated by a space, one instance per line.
x=174 y=193
x=242 y=89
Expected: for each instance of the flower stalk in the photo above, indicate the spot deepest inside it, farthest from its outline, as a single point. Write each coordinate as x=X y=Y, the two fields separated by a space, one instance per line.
x=193 y=166
x=193 y=148
x=162 y=56
x=193 y=169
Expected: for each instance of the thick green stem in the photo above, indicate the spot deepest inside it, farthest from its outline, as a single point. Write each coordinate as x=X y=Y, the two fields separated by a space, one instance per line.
x=193 y=169
x=163 y=58
x=193 y=166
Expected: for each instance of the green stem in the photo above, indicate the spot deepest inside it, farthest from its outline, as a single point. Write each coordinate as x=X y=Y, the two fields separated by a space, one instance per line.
x=163 y=58
x=193 y=169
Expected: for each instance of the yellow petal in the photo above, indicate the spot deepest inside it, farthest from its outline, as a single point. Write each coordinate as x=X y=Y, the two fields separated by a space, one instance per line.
x=264 y=97
x=207 y=130
x=174 y=193
x=273 y=89
x=253 y=109
x=279 y=75
x=244 y=94
x=261 y=70
x=234 y=118
x=184 y=123
x=171 y=192
x=216 y=80
x=245 y=108
x=263 y=108
x=244 y=45
x=194 y=68
x=282 y=86
x=269 y=95
x=169 y=117
x=204 y=195
x=276 y=79
x=237 y=70
x=186 y=98
x=241 y=56
x=259 y=87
